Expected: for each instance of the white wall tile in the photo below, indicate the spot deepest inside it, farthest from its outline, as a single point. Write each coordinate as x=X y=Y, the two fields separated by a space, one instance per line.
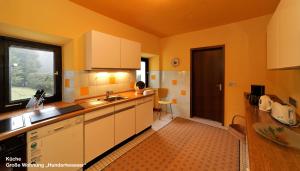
x=183 y=83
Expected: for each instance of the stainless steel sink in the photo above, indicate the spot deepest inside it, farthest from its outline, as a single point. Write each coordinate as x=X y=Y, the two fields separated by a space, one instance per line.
x=113 y=98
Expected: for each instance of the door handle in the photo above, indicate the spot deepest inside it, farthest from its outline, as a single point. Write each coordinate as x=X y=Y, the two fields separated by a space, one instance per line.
x=55 y=73
x=219 y=86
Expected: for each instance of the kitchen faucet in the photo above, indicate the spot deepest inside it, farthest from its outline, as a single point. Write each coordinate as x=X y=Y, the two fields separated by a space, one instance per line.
x=108 y=93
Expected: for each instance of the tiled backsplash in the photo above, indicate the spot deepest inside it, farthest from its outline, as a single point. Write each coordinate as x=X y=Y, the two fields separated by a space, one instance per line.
x=154 y=79
x=178 y=84
x=83 y=84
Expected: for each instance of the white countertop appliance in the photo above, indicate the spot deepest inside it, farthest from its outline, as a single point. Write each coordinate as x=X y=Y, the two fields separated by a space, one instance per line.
x=60 y=144
x=265 y=103
x=148 y=91
x=284 y=113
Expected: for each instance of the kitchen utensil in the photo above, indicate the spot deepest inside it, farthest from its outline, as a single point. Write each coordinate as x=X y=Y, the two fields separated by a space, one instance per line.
x=278 y=134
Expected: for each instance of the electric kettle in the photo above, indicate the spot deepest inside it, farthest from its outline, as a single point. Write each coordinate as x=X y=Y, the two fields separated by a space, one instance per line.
x=265 y=103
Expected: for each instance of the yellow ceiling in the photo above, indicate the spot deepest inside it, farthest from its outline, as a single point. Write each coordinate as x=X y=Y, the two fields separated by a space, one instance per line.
x=168 y=17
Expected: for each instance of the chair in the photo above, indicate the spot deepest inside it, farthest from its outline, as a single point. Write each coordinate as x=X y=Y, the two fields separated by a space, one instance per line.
x=162 y=94
x=238 y=130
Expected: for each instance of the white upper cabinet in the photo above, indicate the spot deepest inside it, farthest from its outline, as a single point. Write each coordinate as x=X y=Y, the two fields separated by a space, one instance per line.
x=107 y=51
x=284 y=36
x=102 y=51
x=130 y=54
x=273 y=43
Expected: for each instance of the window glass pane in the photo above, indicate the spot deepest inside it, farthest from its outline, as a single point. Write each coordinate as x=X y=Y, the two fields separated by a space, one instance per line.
x=141 y=74
x=29 y=70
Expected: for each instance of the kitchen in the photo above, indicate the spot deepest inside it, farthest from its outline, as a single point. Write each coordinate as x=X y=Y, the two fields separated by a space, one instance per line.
x=86 y=56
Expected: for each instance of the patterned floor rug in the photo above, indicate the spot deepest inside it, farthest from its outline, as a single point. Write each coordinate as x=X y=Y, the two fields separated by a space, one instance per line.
x=183 y=145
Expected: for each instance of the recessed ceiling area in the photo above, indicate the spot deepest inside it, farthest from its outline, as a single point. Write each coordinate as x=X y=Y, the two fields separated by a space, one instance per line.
x=169 y=17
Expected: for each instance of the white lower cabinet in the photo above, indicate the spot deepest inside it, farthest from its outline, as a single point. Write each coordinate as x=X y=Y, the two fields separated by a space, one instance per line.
x=108 y=127
x=124 y=124
x=144 y=116
x=99 y=136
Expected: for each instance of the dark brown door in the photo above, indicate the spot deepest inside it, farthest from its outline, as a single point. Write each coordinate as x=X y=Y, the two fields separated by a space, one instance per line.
x=207 y=83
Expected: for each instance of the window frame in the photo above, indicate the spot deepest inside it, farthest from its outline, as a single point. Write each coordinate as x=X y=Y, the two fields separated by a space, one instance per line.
x=5 y=43
x=146 y=60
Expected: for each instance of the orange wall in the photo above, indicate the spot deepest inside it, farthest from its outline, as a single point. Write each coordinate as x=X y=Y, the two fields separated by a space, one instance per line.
x=285 y=83
x=245 y=56
x=64 y=20
x=154 y=63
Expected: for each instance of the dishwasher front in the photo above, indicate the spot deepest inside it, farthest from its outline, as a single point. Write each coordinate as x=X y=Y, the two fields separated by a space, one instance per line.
x=58 y=146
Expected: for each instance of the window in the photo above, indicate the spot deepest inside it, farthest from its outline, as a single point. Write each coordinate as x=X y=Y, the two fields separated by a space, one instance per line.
x=25 y=67
x=142 y=74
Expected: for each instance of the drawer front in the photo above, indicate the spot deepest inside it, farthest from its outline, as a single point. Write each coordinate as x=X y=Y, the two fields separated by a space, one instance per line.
x=124 y=105
x=50 y=129
x=147 y=99
x=98 y=113
x=139 y=101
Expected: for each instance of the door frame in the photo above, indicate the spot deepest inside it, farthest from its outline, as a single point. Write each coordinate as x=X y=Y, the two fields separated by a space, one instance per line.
x=191 y=77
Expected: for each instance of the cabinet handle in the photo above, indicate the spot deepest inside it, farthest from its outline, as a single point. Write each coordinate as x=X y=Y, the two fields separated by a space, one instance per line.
x=100 y=117
x=34 y=137
x=127 y=108
x=145 y=102
x=11 y=105
x=59 y=128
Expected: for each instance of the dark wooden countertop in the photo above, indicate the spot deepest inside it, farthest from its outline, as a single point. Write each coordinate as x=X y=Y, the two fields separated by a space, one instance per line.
x=87 y=103
x=265 y=154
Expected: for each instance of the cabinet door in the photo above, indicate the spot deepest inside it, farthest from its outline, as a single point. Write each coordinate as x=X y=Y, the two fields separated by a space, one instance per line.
x=102 y=50
x=144 y=116
x=130 y=54
x=124 y=125
x=289 y=33
x=272 y=43
x=99 y=137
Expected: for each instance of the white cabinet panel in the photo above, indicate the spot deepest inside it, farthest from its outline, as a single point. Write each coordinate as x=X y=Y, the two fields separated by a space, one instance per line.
x=144 y=115
x=107 y=51
x=99 y=137
x=289 y=33
x=130 y=54
x=283 y=36
x=124 y=105
x=98 y=113
x=273 y=43
x=102 y=50
x=124 y=125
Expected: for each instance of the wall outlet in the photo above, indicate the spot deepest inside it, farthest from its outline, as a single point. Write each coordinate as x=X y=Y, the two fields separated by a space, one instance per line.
x=292 y=102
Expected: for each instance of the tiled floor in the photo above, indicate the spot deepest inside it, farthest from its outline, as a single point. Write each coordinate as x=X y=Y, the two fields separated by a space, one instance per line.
x=157 y=124
x=183 y=145
x=100 y=165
